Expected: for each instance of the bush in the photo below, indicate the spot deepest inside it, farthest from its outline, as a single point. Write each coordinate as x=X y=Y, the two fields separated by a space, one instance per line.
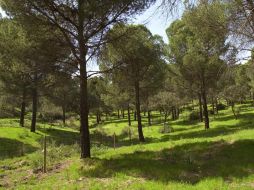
x=125 y=131
x=211 y=112
x=194 y=116
x=55 y=154
x=221 y=106
x=166 y=129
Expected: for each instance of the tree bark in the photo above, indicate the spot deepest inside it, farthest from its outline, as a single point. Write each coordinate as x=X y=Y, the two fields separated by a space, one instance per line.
x=213 y=105
x=233 y=110
x=200 y=108
x=34 y=107
x=64 y=114
x=149 y=117
x=203 y=94
x=173 y=113
x=123 y=115
x=216 y=106
x=140 y=130
x=97 y=118
x=84 y=128
x=129 y=115
x=118 y=114
x=23 y=109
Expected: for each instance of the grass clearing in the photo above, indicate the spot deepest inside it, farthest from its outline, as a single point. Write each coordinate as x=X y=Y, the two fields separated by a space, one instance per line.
x=189 y=158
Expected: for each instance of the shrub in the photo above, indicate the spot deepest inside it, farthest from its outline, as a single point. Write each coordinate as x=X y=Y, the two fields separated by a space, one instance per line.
x=55 y=154
x=211 y=112
x=194 y=116
x=166 y=129
x=221 y=106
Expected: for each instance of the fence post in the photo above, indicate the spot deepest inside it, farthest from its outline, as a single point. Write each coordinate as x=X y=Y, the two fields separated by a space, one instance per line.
x=45 y=155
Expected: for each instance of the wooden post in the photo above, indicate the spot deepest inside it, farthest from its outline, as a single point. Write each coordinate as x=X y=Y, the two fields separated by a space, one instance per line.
x=44 y=155
x=114 y=138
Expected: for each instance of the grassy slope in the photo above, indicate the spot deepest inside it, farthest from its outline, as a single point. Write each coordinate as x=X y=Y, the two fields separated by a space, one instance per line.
x=188 y=158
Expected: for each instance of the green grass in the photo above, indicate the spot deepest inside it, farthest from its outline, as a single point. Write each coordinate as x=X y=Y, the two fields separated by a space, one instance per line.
x=189 y=158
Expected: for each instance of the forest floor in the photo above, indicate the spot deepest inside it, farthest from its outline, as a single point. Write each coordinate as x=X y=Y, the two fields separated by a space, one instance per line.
x=188 y=158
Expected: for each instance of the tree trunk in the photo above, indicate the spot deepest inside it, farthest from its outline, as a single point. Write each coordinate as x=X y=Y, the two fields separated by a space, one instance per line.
x=84 y=111
x=118 y=114
x=200 y=108
x=233 y=110
x=23 y=109
x=64 y=114
x=123 y=115
x=205 y=108
x=216 y=105
x=213 y=106
x=129 y=116
x=173 y=113
x=135 y=115
x=140 y=131
x=97 y=118
x=34 y=107
x=84 y=128
x=149 y=117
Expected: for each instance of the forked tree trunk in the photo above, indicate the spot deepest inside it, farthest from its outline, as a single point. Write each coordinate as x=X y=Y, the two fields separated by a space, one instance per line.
x=23 y=109
x=140 y=130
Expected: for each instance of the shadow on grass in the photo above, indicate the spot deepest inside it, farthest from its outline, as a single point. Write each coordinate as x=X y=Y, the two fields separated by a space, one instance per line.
x=62 y=136
x=188 y=163
x=10 y=148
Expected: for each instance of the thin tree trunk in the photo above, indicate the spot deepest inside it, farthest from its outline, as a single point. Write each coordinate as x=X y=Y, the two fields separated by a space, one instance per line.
x=200 y=108
x=135 y=115
x=97 y=118
x=140 y=131
x=123 y=115
x=213 y=106
x=23 y=109
x=34 y=107
x=173 y=113
x=118 y=114
x=216 y=106
x=149 y=117
x=233 y=110
x=64 y=114
x=205 y=108
x=129 y=115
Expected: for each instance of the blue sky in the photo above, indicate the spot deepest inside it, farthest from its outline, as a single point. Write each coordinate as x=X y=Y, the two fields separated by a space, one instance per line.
x=152 y=18
x=156 y=21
